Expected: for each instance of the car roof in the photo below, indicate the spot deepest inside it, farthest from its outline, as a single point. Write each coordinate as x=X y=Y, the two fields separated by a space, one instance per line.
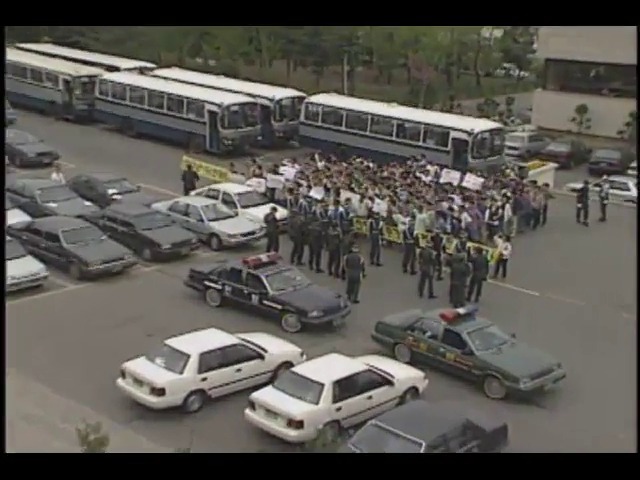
x=105 y=176
x=329 y=368
x=57 y=223
x=232 y=187
x=623 y=178
x=129 y=209
x=195 y=200
x=200 y=341
x=464 y=324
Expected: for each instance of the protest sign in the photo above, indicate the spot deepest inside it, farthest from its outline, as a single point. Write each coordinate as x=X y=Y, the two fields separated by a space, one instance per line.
x=275 y=181
x=258 y=184
x=450 y=176
x=288 y=172
x=472 y=182
x=317 y=193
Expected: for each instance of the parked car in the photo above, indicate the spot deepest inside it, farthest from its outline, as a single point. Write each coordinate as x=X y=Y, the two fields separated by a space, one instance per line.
x=105 y=188
x=22 y=270
x=13 y=214
x=621 y=188
x=566 y=152
x=43 y=197
x=610 y=161
x=10 y=116
x=73 y=245
x=25 y=150
x=525 y=142
x=212 y=222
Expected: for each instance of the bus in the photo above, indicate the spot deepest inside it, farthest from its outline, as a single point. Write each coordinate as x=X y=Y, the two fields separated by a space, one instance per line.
x=109 y=63
x=280 y=106
x=385 y=132
x=49 y=85
x=199 y=118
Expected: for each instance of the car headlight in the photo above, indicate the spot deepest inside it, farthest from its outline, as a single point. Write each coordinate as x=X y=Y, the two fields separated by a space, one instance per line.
x=316 y=314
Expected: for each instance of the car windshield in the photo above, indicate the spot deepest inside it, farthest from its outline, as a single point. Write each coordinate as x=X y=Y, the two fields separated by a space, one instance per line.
x=82 y=235
x=251 y=199
x=168 y=358
x=58 y=193
x=215 y=212
x=13 y=250
x=17 y=137
x=375 y=438
x=152 y=221
x=285 y=280
x=119 y=186
x=514 y=139
x=558 y=147
x=299 y=387
x=488 y=338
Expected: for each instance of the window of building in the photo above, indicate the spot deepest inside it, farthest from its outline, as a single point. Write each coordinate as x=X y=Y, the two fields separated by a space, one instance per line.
x=357 y=121
x=590 y=78
x=332 y=116
x=381 y=126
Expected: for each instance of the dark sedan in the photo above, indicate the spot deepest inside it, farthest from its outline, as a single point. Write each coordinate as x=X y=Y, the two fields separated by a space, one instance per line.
x=610 y=161
x=73 y=245
x=24 y=150
x=152 y=235
x=566 y=152
x=42 y=198
x=421 y=427
x=103 y=189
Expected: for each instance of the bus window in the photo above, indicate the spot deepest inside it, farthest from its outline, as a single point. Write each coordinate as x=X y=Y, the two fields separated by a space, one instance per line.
x=195 y=109
x=436 y=137
x=409 y=131
x=155 y=100
x=487 y=144
x=51 y=79
x=104 y=89
x=381 y=126
x=357 y=121
x=11 y=69
x=175 y=105
x=21 y=72
x=312 y=113
x=286 y=110
x=36 y=76
x=332 y=116
x=137 y=96
x=119 y=92
x=235 y=117
x=84 y=86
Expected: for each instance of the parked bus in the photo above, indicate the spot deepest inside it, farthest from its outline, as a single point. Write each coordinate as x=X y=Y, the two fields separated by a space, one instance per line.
x=280 y=106
x=109 y=63
x=50 y=85
x=200 y=118
x=387 y=132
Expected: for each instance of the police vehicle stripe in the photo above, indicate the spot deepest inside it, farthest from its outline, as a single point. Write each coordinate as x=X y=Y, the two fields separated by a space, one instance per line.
x=243 y=379
x=267 y=303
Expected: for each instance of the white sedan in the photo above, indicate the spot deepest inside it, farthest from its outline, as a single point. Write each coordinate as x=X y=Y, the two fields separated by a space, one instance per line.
x=185 y=370
x=243 y=199
x=326 y=394
x=621 y=188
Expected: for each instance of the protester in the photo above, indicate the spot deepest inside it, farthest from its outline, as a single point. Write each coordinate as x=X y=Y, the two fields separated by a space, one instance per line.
x=57 y=175
x=504 y=253
x=190 y=179
x=603 y=198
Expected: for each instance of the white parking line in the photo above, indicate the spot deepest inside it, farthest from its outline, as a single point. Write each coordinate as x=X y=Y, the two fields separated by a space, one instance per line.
x=561 y=298
x=513 y=287
x=159 y=189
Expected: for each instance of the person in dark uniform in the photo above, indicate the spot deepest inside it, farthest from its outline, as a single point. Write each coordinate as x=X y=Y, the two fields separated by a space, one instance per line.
x=273 y=234
x=409 y=248
x=603 y=198
x=296 y=234
x=479 y=273
x=348 y=242
x=462 y=246
x=459 y=275
x=582 y=204
x=427 y=264
x=355 y=272
x=437 y=243
x=190 y=179
x=375 y=239
x=346 y=217
x=334 y=239
x=316 y=238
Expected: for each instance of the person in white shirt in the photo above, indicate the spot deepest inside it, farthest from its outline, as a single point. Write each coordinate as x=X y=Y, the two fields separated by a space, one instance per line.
x=57 y=175
x=504 y=253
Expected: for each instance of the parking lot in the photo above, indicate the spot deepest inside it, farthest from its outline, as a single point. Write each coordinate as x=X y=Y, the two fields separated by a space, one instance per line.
x=570 y=291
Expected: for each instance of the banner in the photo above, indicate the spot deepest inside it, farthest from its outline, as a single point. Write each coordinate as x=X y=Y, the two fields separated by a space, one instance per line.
x=258 y=184
x=275 y=181
x=360 y=225
x=289 y=173
x=450 y=176
x=380 y=206
x=317 y=193
x=204 y=169
x=472 y=182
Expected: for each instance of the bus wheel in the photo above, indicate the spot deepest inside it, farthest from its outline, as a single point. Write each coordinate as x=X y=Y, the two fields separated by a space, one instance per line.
x=196 y=144
x=128 y=128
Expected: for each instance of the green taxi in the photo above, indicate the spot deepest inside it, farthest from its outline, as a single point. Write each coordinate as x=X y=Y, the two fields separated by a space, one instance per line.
x=459 y=342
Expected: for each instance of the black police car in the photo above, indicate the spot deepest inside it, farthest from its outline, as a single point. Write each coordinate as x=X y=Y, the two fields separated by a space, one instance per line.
x=271 y=287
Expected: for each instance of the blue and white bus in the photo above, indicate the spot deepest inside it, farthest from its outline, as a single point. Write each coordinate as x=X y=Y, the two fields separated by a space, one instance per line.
x=49 y=85
x=280 y=106
x=199 y=118
x=387 y=132
x=109 y=63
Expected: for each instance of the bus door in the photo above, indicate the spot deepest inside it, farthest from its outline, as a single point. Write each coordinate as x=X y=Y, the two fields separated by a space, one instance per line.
x=213 y=130
x=266 y=124
x=460 y=154
x=67 y=97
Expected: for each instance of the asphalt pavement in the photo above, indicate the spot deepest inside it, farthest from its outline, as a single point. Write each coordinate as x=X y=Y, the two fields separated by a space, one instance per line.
x=570 y=291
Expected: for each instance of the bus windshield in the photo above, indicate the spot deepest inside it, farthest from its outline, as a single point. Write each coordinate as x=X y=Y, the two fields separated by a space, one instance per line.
x=84 y=86
x=487 y=144
x=236 y=117
x=288 y=109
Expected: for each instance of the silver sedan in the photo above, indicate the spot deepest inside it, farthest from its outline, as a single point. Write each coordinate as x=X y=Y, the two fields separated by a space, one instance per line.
x=621 y=188
x=212 y=222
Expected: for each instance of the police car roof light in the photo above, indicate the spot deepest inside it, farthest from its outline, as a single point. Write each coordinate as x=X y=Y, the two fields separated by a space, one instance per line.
x=451 y=315
x=257 y=261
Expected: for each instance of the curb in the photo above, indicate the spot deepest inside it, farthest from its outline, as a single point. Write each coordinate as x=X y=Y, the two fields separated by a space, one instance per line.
x=564 y=193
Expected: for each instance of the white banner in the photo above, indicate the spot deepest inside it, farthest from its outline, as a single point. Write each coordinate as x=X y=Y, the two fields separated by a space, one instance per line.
x=450 y=176
x=288 y=172
x=355 y=198
x=472 y=182
x=275 y=181
x=379 y=206
x=258 y=184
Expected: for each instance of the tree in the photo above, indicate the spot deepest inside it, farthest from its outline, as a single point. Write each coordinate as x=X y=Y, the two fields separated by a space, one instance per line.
x=581 y=119
x=629 y=130
x=91 y=438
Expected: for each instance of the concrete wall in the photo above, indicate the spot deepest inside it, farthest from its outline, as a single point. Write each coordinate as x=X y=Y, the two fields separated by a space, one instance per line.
x=552 y=110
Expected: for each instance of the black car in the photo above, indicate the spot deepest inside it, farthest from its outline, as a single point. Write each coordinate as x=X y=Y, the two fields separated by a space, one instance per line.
x=152 y=235
x=73 y=245
x=24 y=150
x=421 y=427
x=610 y=161
x=42 y=198
x=566 y=152
x=103 y=189
x=271 y=287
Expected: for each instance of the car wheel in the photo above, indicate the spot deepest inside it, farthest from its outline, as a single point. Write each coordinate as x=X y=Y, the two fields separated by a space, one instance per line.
x=194 y=402
x=280 y=369
x=330 y=433
x=215 y=243
x=146 y=254
x=75 y=271
x=213 y=298
x=494 y=388
x=402 y=353
x=291 y=323
x=409 y=395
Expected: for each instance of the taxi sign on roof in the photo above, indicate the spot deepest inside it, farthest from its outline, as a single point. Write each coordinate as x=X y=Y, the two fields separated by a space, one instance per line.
x=258 y=261
x=450 y=316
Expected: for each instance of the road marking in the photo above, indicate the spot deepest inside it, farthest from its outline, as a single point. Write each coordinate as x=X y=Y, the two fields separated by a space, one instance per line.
x=159 y=189
x=560 y=298
x=513 y=287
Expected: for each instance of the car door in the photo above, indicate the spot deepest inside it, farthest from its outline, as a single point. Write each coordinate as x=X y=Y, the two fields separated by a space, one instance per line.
x=454 y=354
x=26 y=200
x=212 y=375
x=619 y=191
x=248 y=367
x=54 y=249
x=197 y=221
x=235 y=287
x=121 y=231
x=423 y=340
x=178 y=211
x=33 y=240
x=229 y=202
x=257 y=293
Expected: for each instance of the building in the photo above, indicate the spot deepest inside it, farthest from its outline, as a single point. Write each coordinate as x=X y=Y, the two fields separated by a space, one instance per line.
x=594 y=66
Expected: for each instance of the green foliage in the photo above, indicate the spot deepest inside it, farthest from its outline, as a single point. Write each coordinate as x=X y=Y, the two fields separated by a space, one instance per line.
x=629 y=130
x=581 y=119
x=91 y=438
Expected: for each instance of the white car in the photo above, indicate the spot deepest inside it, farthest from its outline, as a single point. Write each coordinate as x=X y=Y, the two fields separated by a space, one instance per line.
x=13 y=214
x=332 y=392
x=185 y=370
x=22 y=270
x=243 y=199
x=621 y=188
